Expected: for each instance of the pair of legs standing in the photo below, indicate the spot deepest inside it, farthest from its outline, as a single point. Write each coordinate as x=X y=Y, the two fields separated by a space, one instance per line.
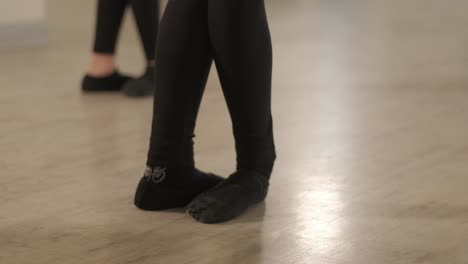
x=193 y=33
x=102 y=74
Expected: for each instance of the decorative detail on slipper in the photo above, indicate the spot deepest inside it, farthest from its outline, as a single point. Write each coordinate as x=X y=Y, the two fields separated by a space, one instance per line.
x=156 y=175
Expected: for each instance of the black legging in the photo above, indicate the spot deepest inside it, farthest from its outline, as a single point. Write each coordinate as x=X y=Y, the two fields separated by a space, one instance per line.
x=235 y=34
x=109 y=19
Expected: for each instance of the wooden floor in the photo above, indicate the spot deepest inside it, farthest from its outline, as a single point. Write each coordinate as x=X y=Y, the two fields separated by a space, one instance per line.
x=371 y=121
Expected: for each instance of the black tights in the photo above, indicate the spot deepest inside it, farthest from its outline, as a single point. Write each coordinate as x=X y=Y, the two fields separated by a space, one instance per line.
x=235 y=34
x=109 y=19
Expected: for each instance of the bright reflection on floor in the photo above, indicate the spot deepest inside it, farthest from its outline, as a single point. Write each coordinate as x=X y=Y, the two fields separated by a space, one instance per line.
x=319 y=221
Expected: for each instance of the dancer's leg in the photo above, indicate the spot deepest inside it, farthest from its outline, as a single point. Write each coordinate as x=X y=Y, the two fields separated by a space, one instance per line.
x=146 y=14
x=243 y=54
x=109 y=19
x=101 y=73
x=184 y=61
x=147 y=19
x=242 y=50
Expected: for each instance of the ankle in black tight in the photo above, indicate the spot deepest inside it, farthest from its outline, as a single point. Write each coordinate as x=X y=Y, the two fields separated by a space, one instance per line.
x=165 y=188
x=230 y=198
x=259 y=160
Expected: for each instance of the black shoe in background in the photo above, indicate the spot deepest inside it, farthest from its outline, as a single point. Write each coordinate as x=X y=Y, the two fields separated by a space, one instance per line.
x=111 y=83
x=142 y=86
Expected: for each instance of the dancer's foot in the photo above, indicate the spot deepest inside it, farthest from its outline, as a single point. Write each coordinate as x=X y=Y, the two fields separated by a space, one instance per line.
x=142 y=86
x=230 y=198
x=166 y=188
x=109 y=83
